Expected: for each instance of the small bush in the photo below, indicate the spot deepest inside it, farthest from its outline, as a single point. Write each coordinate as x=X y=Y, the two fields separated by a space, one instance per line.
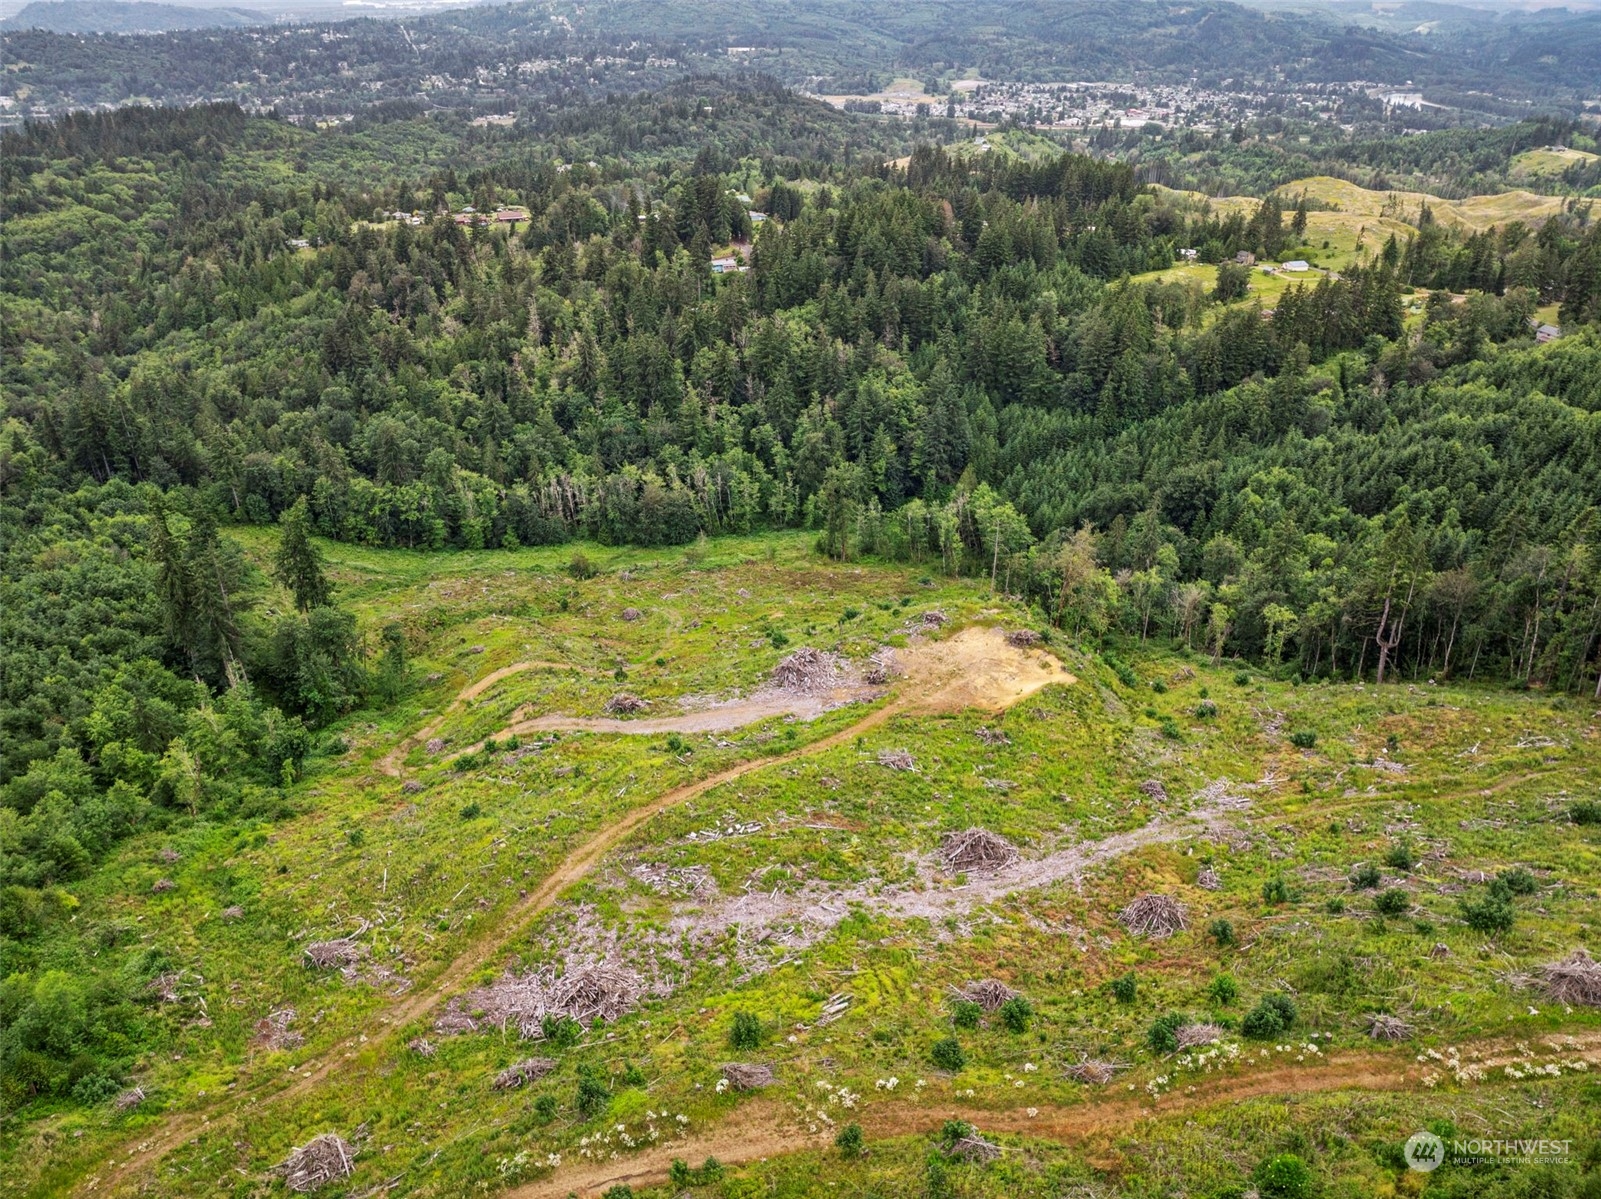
x=1335 y=906
x=1016 y=1013
x=747 y=1032
x=1364 y=877
x=580 y=567
x=1224 y=990
x=621 y=1191
x=777 y=638
x=1206 y=710
x=1518 y=881
x=592 y=1096
x=849 y=1141
x=1221 y=931
x=356 y=837
x=952 y=1131
x=1401 y=857
x=965 y=1014
x=947 y=1054
x=1162 y=1036
x=1303 y=740
x=1492 y=914
x=563 y=1032
x=1272 y=1016
x=1393 y=902
x=633 y=1076
x=1242 y=678
x=1275 y=891
x=1159 y=687
x=1283 y=1177
x=545 y=1108
x=490 y=745
x=681 y=1174
x=1586 y=811
x=1170 y=729
x=471 y=812
x=1123 y=989
x=93 y=1088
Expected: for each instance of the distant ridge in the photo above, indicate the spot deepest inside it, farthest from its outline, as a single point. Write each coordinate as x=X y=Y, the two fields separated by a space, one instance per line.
x=126 y=16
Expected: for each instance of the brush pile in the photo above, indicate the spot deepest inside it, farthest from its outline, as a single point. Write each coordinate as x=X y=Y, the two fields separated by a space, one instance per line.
x=593 y=993
x=992 y=736
x=422 y=1047
x=973 y=1148
x=1208 y=879
x=631 y=614
x=343 y=953
x=234 y=912
x=882 y=666
x=1154 y=791
x=896 y=759
x=807 y=671
x=1095 y=1071
x=1384 y=1027
x=1193 y=1036
x=274 y=1031
x=976 y=849
x=322 y=1160
x=625 y=703
x=531 y=1070
x=748 y=1076
x=1153 y=915
x=988 y=993
x=1575 y=980
x=522 y=1002
x=162 y=884
x=1023 y=638
x=129 y=1099
x=932 y=619
x=410 y=787
x=435 y=745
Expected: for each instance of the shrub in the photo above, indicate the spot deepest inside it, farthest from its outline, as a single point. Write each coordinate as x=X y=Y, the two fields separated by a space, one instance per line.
x=1224 y=990
x=592 y=1096
x=633 y=1076
x=1283 y=1177
x=747 y=1032
x=1273 y=1015
x=1401 y=857
x=1334 y=906
x=580 y=567
x=1275 y=891
x=471 y=812
x=947 y=1054
x=545 y=1108
x=1586 y=811
x=356 y=837
x=952 y=1131
x=92 y=1088
x=777 y=638
x=621 y=1191
x=1159 y=687
x=1242 y=678
x=1123 y=989
x=1518 y=881
x=1206 y=710
x=1492 y=914
x=563 y=1032
x=849 y=1141
x=1221 y=931
x=966 y=1014
x=1016 y=1013
x=681 y=1174
x=1170 y=729
x=1162 y=1035
x=490 y=745
x=1364 y=877
x=1303 y=740
x=1393 y=902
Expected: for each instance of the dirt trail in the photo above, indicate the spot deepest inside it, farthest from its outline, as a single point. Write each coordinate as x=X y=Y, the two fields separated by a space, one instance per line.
x=976 y=668
x=761 y=1131
x=390 y=763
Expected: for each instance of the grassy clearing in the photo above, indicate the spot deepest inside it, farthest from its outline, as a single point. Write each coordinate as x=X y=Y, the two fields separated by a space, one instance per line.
x=1549 y=160
x=775 y=892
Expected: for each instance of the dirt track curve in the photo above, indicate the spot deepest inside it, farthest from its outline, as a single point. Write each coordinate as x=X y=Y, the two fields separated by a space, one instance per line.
x=758 y=1131
x=975 y=668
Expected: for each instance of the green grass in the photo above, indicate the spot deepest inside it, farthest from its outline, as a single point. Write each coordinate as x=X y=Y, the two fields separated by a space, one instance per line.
x=852 y=839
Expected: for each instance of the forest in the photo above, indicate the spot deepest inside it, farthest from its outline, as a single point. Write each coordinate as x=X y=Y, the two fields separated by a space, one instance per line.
x=935 y=360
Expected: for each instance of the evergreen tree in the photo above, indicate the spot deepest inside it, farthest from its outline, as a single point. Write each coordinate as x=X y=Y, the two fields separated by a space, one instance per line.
x=298 y=562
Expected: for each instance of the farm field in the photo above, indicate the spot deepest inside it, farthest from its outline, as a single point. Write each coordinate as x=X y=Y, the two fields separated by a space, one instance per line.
x=944 y=868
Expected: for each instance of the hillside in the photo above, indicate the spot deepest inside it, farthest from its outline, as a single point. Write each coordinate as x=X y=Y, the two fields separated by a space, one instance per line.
x=124 y=16
x=779 y=862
